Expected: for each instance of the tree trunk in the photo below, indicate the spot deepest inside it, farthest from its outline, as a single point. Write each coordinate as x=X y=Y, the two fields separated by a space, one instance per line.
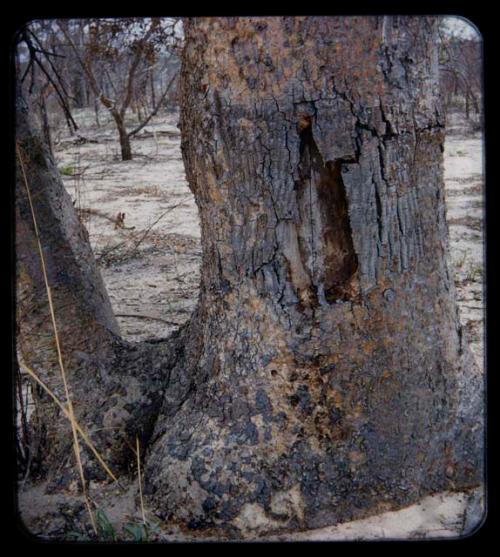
x=96 y=111
x=78 y=90
x=115 y=387
x=152 y=85
x=324 y=371
x=125 y=147
x=322 y=376
x=42 y=103
x=475 y=103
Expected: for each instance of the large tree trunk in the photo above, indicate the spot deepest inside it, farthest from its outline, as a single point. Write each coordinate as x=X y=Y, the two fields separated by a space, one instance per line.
x=324 y=376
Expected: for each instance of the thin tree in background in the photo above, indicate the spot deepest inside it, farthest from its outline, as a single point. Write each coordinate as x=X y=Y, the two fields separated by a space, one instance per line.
x=461 y=70
x=116 y=54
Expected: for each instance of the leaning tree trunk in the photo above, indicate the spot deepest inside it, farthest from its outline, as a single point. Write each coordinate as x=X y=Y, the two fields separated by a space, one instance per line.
x=115 y=387
x=324 y=374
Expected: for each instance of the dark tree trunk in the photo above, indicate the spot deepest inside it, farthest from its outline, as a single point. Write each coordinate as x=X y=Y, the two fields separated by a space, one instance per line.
x=125 y=147
x=42 y=103
x=475 y=103
x=324 y=372
x=322 y=376
x=152 y=85
x=78 y=90
x=96 y=112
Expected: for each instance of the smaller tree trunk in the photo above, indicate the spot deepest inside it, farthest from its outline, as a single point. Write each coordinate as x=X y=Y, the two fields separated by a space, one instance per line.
x=96 y=112
x=138 y=111
x=45 y=120
x=78 y=92
x=116 y=387
x=475 y=103
x=126 y=150
x=152 y=82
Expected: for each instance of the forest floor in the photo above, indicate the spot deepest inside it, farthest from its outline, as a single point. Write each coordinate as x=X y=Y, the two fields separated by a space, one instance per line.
x=151 y=270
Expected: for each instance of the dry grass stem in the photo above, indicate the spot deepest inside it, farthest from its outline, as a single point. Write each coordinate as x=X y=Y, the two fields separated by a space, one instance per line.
x=139 y=477
x=81 y=431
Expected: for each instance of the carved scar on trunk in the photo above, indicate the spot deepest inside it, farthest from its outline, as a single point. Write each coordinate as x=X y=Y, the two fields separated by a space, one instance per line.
x=323 y=262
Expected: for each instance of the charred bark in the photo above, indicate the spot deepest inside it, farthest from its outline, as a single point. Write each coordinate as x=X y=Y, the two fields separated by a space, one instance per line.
x=325 y=377
x=322 y=376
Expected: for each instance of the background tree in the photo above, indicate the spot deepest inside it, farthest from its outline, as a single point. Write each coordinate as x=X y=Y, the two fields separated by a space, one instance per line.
x=122 y=52
x=461 y=70
x=322 y=376
x=41 y=73
x=124 y=64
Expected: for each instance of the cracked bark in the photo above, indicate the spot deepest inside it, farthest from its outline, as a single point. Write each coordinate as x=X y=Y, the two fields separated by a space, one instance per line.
x=328 y=376
x=322 y=376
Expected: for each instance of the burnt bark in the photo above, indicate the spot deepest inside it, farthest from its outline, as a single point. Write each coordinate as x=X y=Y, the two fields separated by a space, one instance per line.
x=322 y=376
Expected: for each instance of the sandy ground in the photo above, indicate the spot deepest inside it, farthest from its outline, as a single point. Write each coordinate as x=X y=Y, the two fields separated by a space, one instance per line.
x=151 y=270
x=464 y=183
x=150 y=267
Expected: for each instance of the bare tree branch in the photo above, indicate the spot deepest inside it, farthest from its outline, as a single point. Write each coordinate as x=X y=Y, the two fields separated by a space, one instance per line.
x=133 y=67
x=62 y=101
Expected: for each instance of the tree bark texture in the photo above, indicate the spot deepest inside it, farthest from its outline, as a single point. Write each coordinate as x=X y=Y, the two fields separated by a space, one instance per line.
x=324 y=376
